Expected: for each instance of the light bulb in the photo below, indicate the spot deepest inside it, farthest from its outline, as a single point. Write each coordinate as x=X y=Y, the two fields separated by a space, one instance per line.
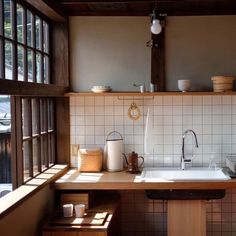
x=156 y=27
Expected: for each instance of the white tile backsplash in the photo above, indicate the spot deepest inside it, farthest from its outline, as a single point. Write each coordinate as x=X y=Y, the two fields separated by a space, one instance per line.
x=213 y=118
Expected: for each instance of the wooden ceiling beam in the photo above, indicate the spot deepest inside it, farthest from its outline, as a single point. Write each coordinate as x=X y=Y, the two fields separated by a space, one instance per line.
x=143 y=8
x=143 y=1
x=49 y=8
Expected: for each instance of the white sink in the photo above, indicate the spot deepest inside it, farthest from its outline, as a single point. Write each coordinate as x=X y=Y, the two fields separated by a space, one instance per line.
x=164 y=174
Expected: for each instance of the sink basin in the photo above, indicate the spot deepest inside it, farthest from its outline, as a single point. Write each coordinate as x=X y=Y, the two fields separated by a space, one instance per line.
x=197 y=174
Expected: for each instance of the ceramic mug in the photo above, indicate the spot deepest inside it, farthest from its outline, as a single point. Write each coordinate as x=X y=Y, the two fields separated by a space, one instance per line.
x=79 y=210
x=184 y=85
x=67 y=210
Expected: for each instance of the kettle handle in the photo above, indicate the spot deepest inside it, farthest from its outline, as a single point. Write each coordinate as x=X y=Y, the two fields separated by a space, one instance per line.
x=126 y=160
x=104 y=161
x=121 y=138
x=142 y=161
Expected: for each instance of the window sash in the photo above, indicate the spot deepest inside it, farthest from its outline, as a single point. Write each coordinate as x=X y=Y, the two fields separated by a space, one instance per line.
x=38 y=142
x=33 y=68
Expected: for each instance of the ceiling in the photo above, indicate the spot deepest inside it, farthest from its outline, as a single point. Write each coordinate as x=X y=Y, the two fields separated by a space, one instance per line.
x=145 y=7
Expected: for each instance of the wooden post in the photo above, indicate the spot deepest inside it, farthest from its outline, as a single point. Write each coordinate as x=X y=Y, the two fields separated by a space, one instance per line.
x=158 y=60
x=186 y=217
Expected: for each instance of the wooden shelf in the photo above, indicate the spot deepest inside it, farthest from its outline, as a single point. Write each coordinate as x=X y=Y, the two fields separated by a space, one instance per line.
x=138 y=94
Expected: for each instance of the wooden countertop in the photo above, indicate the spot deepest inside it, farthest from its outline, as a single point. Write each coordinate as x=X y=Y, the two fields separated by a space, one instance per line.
x=73 y=179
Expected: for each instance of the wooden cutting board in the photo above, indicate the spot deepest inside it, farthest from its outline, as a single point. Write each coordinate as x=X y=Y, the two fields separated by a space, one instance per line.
x=90 y=218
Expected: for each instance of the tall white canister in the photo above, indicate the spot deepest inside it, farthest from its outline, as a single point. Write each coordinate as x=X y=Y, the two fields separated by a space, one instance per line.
x=113 y=153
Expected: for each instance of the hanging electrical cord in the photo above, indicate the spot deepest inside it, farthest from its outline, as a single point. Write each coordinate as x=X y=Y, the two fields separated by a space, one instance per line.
x=155 y=22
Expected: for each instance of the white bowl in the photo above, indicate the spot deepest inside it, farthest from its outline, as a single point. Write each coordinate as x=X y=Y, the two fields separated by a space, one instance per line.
x=184 y=85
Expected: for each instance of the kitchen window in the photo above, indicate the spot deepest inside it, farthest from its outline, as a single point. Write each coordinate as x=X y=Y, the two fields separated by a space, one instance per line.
x=25 y=63
x=24 y=44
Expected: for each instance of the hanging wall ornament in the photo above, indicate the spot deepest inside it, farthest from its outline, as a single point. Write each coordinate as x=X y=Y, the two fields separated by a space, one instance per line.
x=134 y=111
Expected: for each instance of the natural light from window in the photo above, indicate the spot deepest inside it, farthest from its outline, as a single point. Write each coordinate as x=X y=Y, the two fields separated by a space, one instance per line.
x=5 y=146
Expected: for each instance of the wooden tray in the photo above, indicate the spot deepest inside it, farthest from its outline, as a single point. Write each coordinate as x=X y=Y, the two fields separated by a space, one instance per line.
x=90 y=218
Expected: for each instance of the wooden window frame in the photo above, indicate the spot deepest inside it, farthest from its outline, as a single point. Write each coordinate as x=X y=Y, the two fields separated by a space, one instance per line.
x=59 y=74
x=29 y=91
x=41 y=51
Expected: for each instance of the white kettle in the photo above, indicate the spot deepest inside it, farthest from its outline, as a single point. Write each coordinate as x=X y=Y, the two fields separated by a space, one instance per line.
x=113 y=153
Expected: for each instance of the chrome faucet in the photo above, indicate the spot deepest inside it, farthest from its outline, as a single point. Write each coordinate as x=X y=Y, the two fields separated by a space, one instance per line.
x=183 y=160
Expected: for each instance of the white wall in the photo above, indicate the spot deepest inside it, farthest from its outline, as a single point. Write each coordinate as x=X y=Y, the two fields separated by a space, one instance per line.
x=199 y=47
x=109 y=51
x=112 y=51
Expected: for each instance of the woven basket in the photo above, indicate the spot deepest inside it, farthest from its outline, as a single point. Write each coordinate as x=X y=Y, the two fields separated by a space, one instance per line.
x=222 y=83
x=90 y=160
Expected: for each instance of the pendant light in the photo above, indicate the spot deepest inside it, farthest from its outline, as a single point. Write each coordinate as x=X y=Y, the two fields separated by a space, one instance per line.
x=155 y=23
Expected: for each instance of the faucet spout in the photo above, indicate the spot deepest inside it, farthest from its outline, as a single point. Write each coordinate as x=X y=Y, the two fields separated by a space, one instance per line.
x=183 y=159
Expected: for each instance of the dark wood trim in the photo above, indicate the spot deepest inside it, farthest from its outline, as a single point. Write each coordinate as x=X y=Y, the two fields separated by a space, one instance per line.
x=14 y=44
x=25 y=59
x=19 y=143
x=10 y=87
x=31 y=163
x=33 y=42
x=144 y=8
x=60 y=53
x=45 y=114
x=39 y=138
x=158 y=61
x=24 y=45
x=62 y=117
x=107 y=1
x=13 y=143
x=49 y=8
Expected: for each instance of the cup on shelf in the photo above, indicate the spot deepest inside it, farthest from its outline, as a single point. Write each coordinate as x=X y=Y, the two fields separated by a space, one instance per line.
x=79 y=210
x=184 y=85
x=142 y=88
x=67 y=210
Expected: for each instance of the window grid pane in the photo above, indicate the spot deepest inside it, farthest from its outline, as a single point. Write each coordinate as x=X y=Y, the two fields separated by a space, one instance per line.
x=36 y=156
x=45 y=37
x=7 y=18
x=30 y=56
x=8 y=60
x=38 y=68
x=43 y=152
x=27 y=159
x=38 y=32
x=46 y=70
x=1 y=18
x=2 y=69
x=20 y=63
x=26 y=118
x=20 y=16
x=29 y=29
x=52 y=150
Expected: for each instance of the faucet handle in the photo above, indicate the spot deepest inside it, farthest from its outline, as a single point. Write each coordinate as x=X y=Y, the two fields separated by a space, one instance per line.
x=188 y=160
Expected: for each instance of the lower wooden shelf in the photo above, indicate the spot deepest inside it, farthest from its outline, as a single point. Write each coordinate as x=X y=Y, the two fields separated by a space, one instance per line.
x=110 y=226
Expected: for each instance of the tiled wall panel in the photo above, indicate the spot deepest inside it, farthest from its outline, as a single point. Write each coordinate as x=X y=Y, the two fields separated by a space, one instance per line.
x=213 y=118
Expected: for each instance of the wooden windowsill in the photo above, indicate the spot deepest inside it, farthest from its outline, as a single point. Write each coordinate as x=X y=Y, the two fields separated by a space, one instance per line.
x=13 y=199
